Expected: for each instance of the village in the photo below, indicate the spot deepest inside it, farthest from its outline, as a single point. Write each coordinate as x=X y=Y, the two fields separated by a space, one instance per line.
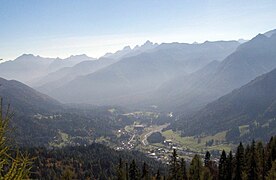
x=138 y=140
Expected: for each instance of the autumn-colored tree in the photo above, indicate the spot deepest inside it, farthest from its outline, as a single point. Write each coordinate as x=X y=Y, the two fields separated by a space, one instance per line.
x=16 y=166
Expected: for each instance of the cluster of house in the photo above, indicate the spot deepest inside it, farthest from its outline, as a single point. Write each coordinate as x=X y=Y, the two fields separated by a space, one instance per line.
x=40 y=116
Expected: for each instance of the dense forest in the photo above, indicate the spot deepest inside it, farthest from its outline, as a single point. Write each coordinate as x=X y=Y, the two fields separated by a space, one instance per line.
x=95 y=161
x=249 y=162
x=252 y=162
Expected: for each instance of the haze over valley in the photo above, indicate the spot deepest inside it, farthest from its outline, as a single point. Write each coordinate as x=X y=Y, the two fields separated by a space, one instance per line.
x=186 y=93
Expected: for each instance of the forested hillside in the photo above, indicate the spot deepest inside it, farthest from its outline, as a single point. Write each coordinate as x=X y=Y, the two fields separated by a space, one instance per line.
x=42 y=121
x=251 y=106
x=95 y=161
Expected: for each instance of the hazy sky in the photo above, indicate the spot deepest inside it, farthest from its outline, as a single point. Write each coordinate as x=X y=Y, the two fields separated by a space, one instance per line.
x=63 y=27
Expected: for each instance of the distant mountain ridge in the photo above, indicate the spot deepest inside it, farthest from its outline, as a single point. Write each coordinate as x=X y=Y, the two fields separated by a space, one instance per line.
x=68 y=62
x=131 y=78
x=173 y=76
x=128 y=51
x=64 y=75
x=250 y=60
x=27 y=67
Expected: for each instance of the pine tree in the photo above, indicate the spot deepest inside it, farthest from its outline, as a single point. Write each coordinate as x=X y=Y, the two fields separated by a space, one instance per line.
x=239 y=158
x=222 y=166
x=133 y=171
x=174 y=166
x=272 y=172
x=268 y=163
x=261 y=160
x=229 y=166
x=158 y=176
x=196 y=168
x=145 y=172
x=183 y=170
x=127 y=172
x=68 y=174
x=207 y=158
x=253 y=172
x=120 y=171
x=17 y=167
x=273 y=149
x=206 y=174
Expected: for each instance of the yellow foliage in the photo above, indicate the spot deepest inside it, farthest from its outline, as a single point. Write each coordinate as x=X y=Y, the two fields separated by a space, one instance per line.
x=11 y=167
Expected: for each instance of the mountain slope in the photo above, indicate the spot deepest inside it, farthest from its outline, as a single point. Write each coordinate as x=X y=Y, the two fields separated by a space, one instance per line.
x=250 y=60
x=25 y=68
x=132 y=78
x=251 y=104
x=127 y=77
x=196 y=56
x=270 y=33
x=24 y=99
x=62 y=76
x=68 y=62
x=40 y=120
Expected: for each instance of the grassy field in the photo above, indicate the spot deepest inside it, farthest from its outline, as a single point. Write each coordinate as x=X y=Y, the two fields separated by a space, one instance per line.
x=244 y=129
x=199 y=144
x=64 y=139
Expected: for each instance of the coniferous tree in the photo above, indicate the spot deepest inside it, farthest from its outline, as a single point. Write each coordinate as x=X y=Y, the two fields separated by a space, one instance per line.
x=207 y=158
x=174 y=166
x=68 y=174
x=145 y=172
x=196 y=168
x=273 y=149
x=183 y=170
x=272 y=172
x=239 y=159
x=133 y=171
x=158 y=176
x=127 y=172
x=253 y=172
x=268 y=159
x=229 y=166
x=206 y=174
x=120 y=171
x=247 y=156
x=222 y=166
x=261 y=160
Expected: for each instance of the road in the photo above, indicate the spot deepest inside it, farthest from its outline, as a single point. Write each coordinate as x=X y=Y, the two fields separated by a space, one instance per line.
x=155 y=129
x=131 y=139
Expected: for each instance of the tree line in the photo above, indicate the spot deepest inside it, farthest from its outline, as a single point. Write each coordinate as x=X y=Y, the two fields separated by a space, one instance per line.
x=254 y=161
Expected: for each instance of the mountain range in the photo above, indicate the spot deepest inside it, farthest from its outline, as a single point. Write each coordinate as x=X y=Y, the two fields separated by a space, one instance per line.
x=28 y=68
x=211 y=87
x=193 y=91
x=128 y=51
x=61 y=76
x=132 y=78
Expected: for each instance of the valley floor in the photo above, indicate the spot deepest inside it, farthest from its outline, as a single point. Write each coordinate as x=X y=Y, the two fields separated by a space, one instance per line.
x=186 y=147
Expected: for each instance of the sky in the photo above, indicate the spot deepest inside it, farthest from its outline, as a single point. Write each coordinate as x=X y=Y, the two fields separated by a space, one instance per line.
x=60 y=28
